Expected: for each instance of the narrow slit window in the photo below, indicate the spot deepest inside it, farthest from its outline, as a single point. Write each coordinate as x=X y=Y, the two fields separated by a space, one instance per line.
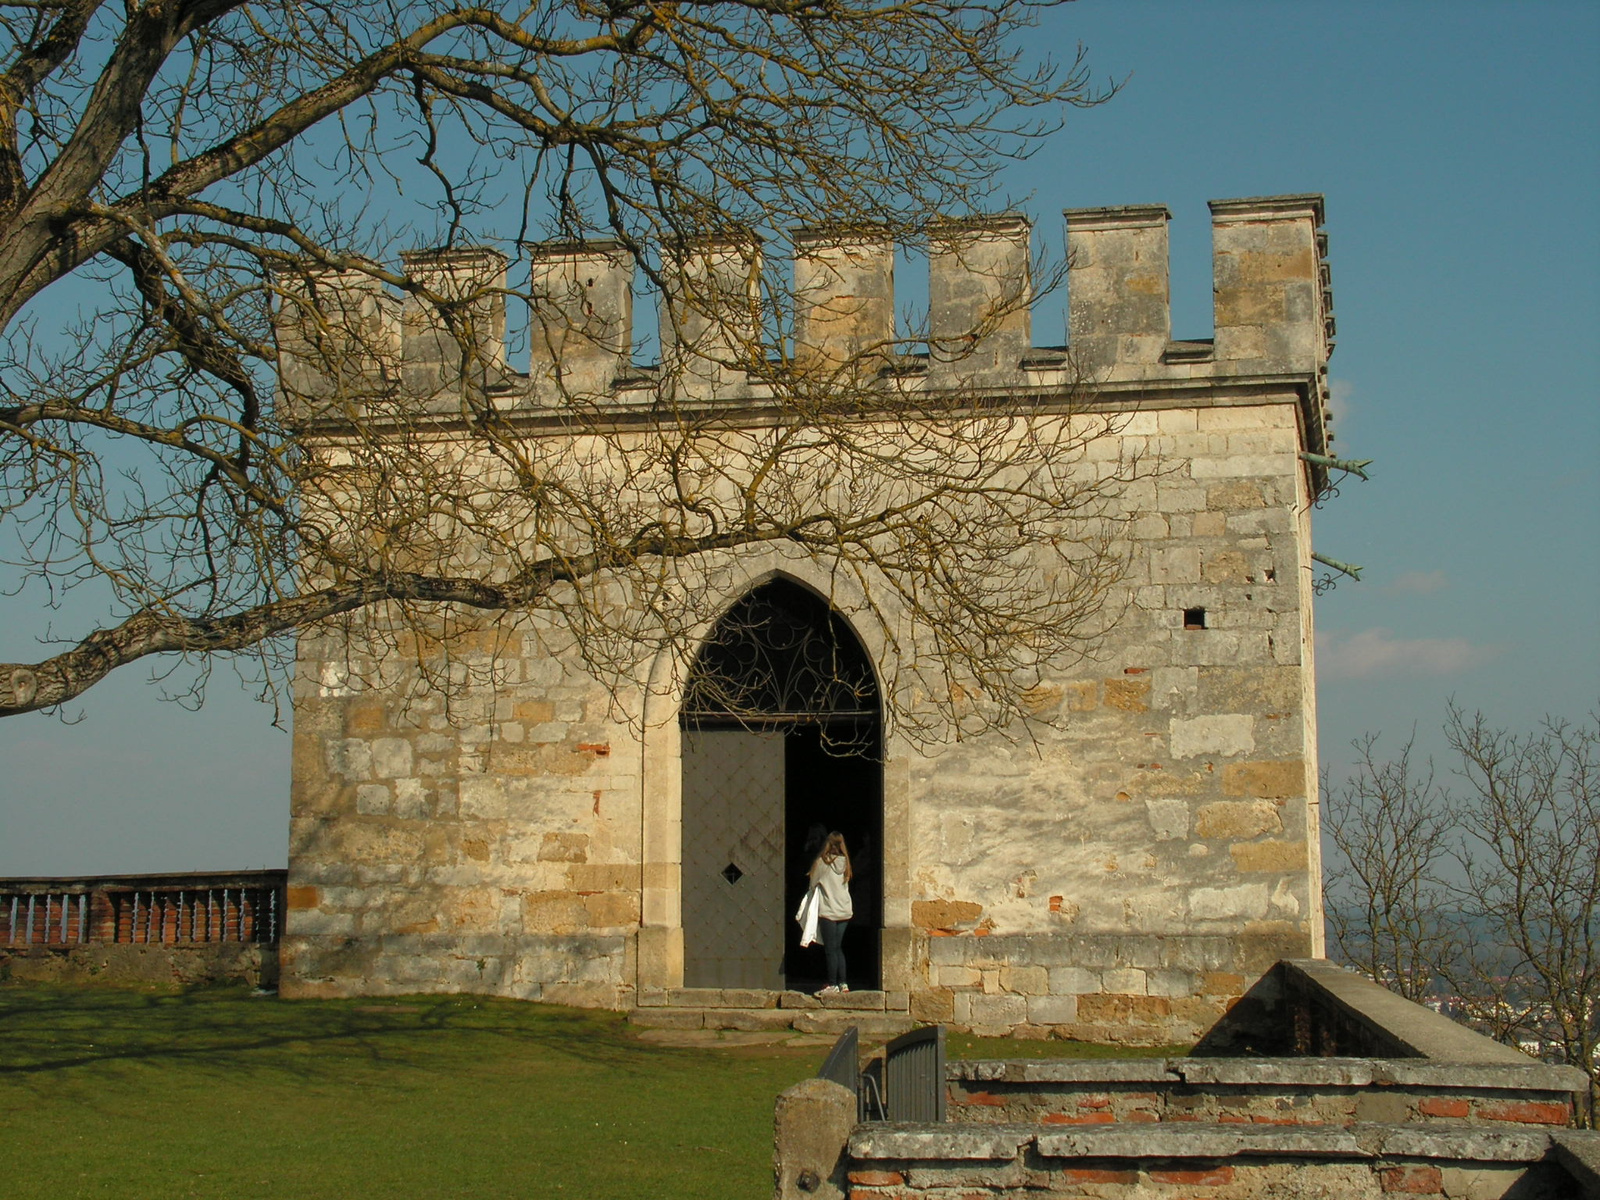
x=1194 y=618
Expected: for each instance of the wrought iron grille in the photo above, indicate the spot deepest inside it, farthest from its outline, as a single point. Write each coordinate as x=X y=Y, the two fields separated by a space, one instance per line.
x=783 y=655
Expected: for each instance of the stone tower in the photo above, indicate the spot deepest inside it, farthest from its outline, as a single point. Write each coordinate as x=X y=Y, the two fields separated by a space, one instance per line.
x=1124 y=874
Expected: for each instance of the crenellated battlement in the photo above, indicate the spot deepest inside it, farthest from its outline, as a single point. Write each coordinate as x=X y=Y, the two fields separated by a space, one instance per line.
x=1272 y=303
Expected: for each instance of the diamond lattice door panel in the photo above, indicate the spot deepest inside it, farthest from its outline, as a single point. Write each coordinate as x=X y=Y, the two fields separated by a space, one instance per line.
x=732 y=858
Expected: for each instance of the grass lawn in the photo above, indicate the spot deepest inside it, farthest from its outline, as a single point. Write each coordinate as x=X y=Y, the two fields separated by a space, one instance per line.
x=219 y=1093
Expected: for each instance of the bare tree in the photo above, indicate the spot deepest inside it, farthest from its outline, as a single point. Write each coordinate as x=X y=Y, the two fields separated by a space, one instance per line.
x=1391 y=826
x=1530 y=857
x=216 y=176
x=1493 y=890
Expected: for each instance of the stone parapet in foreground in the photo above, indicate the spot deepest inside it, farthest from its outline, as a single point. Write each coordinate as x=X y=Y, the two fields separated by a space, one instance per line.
x=1439 y=1112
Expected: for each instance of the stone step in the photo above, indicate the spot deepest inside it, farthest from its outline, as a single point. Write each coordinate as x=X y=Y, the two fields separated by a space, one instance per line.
x=871 y=1023
x=857 y=1001
x=746 y=998
x=873 y=1026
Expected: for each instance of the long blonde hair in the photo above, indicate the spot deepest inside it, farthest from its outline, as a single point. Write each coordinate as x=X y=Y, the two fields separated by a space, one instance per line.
x=832 y=849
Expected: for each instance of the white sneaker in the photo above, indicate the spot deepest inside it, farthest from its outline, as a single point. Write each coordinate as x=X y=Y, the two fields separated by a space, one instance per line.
x=830 y=990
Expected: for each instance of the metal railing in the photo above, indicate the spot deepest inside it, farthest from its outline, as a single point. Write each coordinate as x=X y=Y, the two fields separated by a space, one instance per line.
x=46 y=918
x=173 y=916
x=244 y=907
x=913 y=1076
x=906 y=1084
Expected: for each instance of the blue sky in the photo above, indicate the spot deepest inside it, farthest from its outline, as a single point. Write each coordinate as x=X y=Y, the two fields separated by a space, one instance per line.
x=1458 y=146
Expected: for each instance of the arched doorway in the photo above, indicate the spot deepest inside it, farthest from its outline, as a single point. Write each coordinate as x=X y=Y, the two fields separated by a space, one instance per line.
x=782 y=738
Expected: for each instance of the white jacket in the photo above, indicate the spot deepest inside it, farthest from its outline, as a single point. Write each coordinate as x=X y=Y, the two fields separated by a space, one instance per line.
x=807 y=916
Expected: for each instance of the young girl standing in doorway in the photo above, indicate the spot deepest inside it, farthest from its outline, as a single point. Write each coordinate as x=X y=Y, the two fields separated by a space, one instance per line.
x=831 y=875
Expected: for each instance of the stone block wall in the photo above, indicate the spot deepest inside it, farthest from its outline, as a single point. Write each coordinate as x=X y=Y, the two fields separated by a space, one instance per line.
x=1378 y=1164
x=1261 y=1092
x=1156 y=848
x=1123 y=869
x=162 y=966
x=176 y=930
x=485 y=843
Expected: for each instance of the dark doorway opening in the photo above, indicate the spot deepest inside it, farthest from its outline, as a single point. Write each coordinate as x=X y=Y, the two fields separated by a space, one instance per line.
x=828 y=791
x=783 y=698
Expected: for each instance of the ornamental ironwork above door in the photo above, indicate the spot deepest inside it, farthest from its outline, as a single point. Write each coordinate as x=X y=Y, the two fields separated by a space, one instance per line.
x=781 y=654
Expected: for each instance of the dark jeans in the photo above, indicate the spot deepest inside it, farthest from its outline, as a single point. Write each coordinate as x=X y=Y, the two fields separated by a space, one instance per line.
x=833 y=948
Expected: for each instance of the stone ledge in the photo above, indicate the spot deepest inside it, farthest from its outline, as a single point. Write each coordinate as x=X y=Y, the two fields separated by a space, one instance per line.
x=865 y=1000
x=872 y=1023
x=944 y=1143
x=1279 y=1072
x=696 y=997
x=1462 y=1143
x=749 y=1019
x=1202 y=1140
x=1482 y=1143
x=1416 y=1030
x=1526 y=1076
x=1065 y=1070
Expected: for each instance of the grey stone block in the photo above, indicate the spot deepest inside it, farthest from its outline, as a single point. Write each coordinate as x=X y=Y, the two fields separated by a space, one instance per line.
x=1172 y=983
x=695 y=997
x=1276 y=1072
x=812 y=1124
x=864 y=1001
x=870 y=1025
x=1052 y=1010
x=946 y=1143
x=1074 y=981
x=748 y=998
x=1464 y=1143
x=1200 y=1140
x=749 y=1018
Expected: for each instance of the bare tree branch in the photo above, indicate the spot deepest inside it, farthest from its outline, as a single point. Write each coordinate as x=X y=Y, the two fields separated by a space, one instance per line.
x=1512 y=932
x=227 y=176
x=1391 y=826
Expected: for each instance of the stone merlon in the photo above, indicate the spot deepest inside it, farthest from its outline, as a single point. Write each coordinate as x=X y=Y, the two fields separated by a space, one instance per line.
x=1272 y=300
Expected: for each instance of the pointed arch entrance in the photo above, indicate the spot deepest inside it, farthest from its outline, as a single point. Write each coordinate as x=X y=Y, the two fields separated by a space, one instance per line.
x=782 y=739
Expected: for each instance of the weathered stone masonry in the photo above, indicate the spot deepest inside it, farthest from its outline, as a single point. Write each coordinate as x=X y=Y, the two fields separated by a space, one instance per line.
x=1124 y=877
